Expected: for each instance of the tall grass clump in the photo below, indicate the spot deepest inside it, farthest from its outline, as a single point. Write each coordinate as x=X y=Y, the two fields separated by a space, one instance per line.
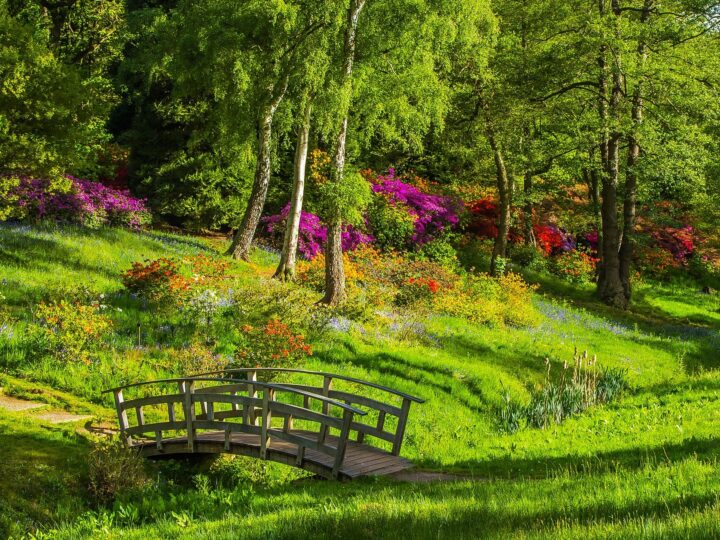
x=582 y=385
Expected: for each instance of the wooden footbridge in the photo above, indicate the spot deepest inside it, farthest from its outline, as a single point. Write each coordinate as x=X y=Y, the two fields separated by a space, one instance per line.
x=333 y=432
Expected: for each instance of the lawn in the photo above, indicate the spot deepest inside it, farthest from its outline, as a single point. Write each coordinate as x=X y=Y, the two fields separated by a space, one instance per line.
x=644 y=465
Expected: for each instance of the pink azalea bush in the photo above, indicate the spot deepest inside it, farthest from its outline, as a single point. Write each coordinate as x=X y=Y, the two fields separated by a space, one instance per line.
x=432 y=214
x=89 y=203
x=312 y=233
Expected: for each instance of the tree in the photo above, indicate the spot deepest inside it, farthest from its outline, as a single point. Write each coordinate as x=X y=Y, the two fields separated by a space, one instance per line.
x=56 y=92
x=398 y=87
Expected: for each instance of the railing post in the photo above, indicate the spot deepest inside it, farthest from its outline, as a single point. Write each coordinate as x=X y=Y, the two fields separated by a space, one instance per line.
x=122 y=417
x=402 y=422
x=342 y=443
x=327 y=382
x=268 y=396
x=252 y=392
x=189 y=406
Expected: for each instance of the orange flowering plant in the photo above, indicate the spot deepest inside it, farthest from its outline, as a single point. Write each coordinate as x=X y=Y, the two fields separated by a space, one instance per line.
x=70 y=331
x=158 y=280
x=273 y=344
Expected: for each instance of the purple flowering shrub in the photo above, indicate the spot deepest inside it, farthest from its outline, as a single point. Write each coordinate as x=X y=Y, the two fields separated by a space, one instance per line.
x=90 y=203
x=400 y=216
x=312 y=234
x=430 y=214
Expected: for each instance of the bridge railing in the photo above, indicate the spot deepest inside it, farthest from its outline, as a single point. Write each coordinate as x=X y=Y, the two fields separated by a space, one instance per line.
x=232 y=406
x=394 y=403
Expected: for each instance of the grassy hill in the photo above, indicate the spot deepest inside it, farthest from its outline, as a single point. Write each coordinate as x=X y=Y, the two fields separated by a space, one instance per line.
x=644 y=465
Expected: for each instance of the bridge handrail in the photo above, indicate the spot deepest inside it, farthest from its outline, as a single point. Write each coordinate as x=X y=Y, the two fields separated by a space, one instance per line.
x=260 y=384
x=320 y=373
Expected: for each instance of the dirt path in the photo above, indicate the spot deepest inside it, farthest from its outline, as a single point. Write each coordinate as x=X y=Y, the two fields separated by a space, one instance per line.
x=13 y=404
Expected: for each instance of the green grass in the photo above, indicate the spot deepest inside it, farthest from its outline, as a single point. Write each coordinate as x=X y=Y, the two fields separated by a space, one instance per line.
x=641 y=466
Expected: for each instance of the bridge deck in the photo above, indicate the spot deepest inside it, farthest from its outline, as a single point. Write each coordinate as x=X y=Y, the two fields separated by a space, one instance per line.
x=360 y=459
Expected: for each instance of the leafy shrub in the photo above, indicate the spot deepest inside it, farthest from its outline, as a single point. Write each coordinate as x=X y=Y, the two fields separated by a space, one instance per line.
x=575 y=266
x=392 y=223
x=530 y=257
x=554 y=401
x=197 y=358
x=439 y=250
x=90 y=203
x=480 y=298
x=705 y=269
x=417 y=291
x=274 y=344
x=69 y=330
x=112 y=469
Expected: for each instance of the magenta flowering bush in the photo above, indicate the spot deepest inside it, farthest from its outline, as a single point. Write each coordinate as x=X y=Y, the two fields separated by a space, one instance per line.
x=432 y=214
x=312 y=233
x=89 y=203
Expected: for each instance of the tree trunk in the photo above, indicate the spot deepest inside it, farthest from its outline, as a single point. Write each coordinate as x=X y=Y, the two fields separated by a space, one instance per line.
x=240 y=247
x=610 y=286
x=504 y=187
x=334 y=269
x=528 y=209
x=630 y=202
x=286 y=268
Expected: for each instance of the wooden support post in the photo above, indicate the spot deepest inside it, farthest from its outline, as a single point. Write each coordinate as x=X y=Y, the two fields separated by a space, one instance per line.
x=287 y=426
x=158 y=440
x=300 y=456
x=189 y=407
x=122 y=418
x=171 y=412
x=252 y=392
x=140 y=416
x=327 y=382
x=402 y=422
x=342 y=443
x=228 y=439
x=268 y=396
x=210 y=410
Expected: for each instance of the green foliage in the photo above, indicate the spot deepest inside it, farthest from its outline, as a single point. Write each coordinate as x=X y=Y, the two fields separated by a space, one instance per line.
x=343 y=198
x=440 y=250
x=68 y=330
x=41 y=97
x=529 y=257
x=392 y=224
x=113 y=469
x=575 y=266
x=555 y=401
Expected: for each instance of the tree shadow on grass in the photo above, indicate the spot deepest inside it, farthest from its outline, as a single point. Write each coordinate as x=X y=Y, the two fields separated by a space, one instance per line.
x=484 y=510
x=626 y=459
x=40 y=470
x=423 y=376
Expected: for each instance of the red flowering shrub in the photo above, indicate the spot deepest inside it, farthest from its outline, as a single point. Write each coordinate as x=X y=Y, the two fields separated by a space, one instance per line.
x=274 y=344
x=552 y=240
x=679 y=242
x=484 y=216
